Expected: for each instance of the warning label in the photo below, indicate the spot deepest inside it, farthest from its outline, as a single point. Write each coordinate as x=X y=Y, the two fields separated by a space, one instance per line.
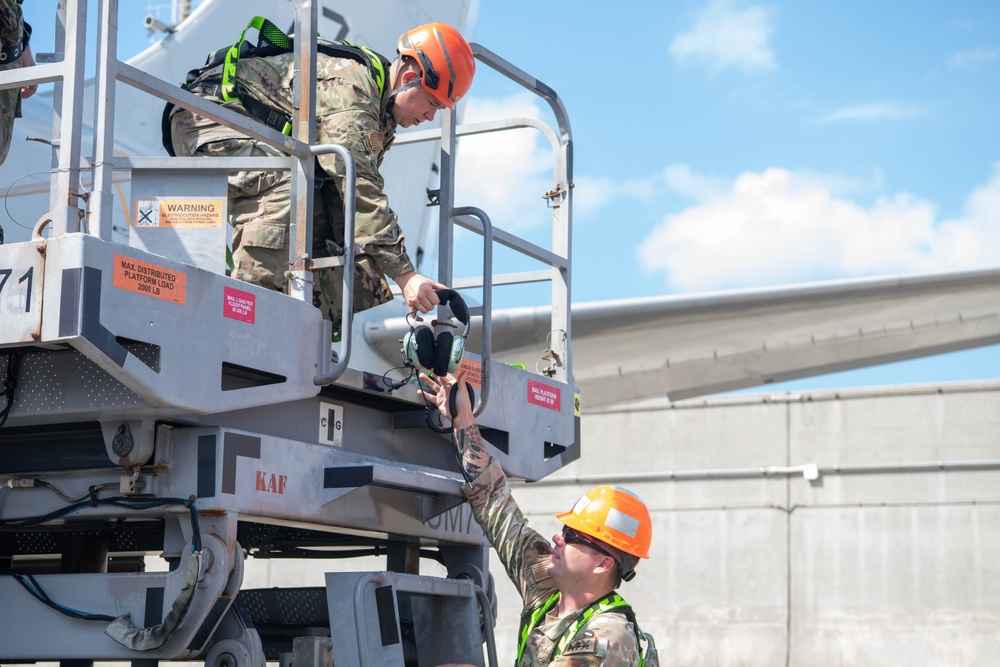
x=544 y=395
x=149 y=279
x=147 y=214
x=190 y=213
x=239 y=305
x=473 y=373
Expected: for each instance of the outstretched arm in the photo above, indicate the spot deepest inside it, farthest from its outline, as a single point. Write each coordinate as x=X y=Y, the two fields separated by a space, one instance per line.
x=472 y=450
x=522 y=550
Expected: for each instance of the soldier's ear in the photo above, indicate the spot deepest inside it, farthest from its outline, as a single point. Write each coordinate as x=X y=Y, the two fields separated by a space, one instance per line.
x=607 y=564
x=409 y=75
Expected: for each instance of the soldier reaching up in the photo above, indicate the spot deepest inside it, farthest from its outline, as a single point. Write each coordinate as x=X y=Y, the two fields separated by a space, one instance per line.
x=572 y=616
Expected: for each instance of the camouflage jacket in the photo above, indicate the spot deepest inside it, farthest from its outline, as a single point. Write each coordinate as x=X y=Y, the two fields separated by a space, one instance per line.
x=12 y=33
x=10 y=23
x=349 y=112
x=607 y=639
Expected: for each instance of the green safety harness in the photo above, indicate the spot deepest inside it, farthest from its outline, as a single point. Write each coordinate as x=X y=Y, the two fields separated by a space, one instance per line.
x=271 y=41
x=610 y=602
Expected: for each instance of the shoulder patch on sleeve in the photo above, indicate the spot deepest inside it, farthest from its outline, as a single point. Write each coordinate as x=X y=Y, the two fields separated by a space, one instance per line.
x=536 y=553
x=587 y=646
x=374 y=141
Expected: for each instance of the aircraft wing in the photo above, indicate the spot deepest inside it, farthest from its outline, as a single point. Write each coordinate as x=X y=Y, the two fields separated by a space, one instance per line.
x=691 y=345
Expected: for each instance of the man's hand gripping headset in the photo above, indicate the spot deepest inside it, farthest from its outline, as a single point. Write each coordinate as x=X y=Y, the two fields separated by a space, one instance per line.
x=441 y=354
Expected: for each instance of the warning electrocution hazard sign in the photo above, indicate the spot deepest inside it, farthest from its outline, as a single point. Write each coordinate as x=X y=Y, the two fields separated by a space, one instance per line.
x=185 y=213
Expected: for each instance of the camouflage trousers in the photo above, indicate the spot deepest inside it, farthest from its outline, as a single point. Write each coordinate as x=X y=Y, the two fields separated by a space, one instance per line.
x=260 y=210
x=10 y=108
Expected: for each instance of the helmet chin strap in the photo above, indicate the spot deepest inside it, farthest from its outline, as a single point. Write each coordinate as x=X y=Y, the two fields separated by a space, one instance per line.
x=396 y=91
x=405 y=86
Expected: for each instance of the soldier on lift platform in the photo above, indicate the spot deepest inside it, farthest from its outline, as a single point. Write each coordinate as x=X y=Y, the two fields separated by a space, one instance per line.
x=360 y=99
x=14 y=53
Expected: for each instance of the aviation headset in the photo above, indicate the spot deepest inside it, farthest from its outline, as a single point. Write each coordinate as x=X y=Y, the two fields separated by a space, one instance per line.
x=441 y=354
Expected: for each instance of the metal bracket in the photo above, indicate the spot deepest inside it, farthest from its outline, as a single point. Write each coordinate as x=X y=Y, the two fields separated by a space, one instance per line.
x=555 y=197
x=129 y=443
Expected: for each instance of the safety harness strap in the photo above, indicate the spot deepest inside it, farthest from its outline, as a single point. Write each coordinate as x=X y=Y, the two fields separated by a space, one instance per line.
x=536 y=617
x=376 y=63
x=269 y=38
x=9 y=54
x=271 y=41
x=610 y=602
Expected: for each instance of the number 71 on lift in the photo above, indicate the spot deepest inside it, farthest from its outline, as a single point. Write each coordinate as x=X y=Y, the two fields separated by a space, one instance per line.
x=20 y=293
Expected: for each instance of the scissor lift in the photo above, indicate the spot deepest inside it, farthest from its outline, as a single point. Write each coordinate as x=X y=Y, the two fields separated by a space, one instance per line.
x=159 y=407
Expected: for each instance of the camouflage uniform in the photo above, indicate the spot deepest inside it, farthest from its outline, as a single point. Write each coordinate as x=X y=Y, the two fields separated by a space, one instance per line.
x=11 y=34
x=350 y=112
x=607 y=639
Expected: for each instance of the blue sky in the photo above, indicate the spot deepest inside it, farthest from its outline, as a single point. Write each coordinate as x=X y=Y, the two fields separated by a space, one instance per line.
x=725 y=144
x=887 y=116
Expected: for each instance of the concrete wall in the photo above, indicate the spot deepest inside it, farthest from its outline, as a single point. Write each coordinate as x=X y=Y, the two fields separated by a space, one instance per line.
x=893 y=566
x=880 y=563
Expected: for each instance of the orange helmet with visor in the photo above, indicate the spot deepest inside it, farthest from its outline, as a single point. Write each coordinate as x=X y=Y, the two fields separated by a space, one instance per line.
x=614 y=516
x=445 y=61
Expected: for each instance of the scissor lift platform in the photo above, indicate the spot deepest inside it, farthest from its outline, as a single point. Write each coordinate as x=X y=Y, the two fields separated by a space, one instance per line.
x=156 y=406
x=133 y=374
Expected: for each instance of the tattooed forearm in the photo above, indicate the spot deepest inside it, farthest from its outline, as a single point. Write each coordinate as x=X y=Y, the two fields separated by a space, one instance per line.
x=475 y=457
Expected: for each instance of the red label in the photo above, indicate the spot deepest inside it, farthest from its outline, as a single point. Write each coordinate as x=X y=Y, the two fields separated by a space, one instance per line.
x=149 y=279
x=472 y=372
x=543 y=395
x=239 y=305
x=268 y=482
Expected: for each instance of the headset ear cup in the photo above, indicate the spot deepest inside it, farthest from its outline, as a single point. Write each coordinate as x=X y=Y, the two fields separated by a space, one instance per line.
x=442 y=353
x=457 y=350
x=409 y=352
x=424 y=342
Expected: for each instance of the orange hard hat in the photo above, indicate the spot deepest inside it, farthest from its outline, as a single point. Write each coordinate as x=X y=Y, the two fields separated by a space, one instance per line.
x=614 y=516
x=444 y=58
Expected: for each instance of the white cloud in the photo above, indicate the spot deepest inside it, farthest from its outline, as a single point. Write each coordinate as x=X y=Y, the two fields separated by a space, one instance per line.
x=703 y=187
x=973 y=57
x=727 y=37
x=504 y=173
x=592 y=194
x=779 y=227
x=883 y=110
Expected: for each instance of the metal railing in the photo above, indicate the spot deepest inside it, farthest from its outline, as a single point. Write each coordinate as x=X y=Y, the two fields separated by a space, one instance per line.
x=421 y=585
x=69 y=77
x=558 y=258
x=486 y=229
